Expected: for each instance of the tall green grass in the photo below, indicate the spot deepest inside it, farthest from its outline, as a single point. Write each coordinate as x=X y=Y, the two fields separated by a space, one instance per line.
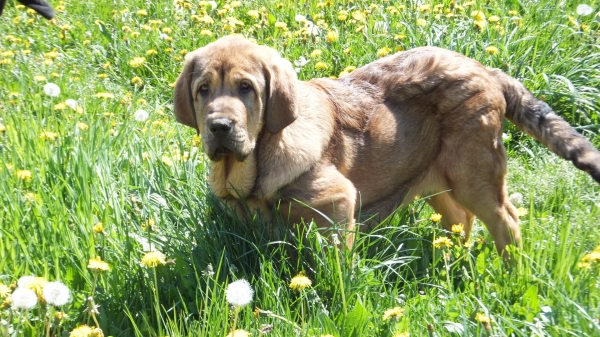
x=144 y=181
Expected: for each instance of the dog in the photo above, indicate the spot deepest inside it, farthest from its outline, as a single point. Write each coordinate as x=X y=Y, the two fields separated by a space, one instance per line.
x=427 y=121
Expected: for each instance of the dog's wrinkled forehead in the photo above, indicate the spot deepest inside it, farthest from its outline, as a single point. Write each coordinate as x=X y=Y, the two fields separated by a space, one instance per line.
x=229 y=53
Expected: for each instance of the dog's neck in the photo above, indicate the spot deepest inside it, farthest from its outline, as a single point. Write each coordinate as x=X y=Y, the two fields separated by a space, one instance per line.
x=230 y=177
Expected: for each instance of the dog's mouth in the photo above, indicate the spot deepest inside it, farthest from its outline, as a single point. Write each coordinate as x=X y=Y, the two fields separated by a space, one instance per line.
x=223 y=151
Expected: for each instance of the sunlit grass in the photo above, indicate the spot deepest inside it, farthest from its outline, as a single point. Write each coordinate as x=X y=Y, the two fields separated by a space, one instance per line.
x=101 y=170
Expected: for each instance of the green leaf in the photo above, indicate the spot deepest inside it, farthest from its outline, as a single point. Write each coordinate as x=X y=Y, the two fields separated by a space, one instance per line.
x=355 y=322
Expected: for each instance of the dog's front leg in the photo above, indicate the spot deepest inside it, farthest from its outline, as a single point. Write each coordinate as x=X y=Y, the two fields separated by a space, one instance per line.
x=324 y=191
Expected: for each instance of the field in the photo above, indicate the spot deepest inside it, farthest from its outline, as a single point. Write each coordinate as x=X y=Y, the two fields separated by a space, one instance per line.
x=104 y=192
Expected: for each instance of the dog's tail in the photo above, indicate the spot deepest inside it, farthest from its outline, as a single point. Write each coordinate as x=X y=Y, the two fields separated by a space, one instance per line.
x=538 y=120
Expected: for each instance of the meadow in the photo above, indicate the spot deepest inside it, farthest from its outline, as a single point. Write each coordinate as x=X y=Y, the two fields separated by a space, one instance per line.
x=102 y=191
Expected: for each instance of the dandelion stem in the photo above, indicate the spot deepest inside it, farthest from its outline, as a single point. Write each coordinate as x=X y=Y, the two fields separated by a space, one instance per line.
x=157 y=302
x=337 y=261
x=235 y=317
x=8 y=322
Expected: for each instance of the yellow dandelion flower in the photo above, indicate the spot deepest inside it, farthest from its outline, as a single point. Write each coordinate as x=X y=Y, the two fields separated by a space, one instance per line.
x=494 y=18
x=316 y=53
x=458 y=228
x=82 y=126
x=137 y=61
x=482 y=318
x=593 y=257
x=342 y=15
x=300 y=282
x=98 y=228
x=321 y=65
x=196 y=141
x=60 y=315
x=383 y=51
x=48 y=135
x=480 y=24
x=151 y=52
x=512 y=12
x=253 y=14
x=167 y=160
x=167 y=30
x=105 y=95
x=153 y=259
x=522 y=211
x=421 y=22
x=37 y=285
x=478 y=15
x=142 y=12
x=491 y=50
x=436 y=217
x=60 y=106
x=39 y=78
x=206 y=32
x=126 y=29
x=442 y=242
x=396 y=312
x=358 y=16
x=238 y=333
x=402 y=334
x=2 y=128
x=332 y=36
x=97 y=266
x=81 y=331
x=137 y=81
x=4 y=291
x=280 y=25
x=24 y=175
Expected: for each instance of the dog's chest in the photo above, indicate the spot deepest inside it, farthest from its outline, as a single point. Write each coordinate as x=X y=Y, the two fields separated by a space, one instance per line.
x=231 y=177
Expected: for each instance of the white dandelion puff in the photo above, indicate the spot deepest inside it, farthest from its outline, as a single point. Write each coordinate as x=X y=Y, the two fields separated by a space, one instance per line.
x=239 y=293
x=23 y=299
x=56 y=293
x=24 y=281
x=584 y=10
x=52 y=89
x=141 y=115
x=301 y=62
x=71 y=103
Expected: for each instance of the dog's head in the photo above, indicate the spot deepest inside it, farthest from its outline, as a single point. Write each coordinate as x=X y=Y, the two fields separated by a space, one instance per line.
x=232 y=88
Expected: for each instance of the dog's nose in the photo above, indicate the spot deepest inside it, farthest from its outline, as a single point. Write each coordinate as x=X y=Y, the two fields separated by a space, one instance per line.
x=220 y=127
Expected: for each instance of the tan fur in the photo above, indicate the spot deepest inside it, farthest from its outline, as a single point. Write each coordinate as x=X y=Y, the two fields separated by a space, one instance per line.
x=421 y=122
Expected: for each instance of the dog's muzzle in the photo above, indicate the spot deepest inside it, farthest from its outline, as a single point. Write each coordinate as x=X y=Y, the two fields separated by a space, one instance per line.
x=220 y=127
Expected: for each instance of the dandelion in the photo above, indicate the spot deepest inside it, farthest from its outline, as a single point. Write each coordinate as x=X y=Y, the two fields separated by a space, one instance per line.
x=442 y=242
x=48 y=135
x=342 y=15
x=239 y=293
x=105 y=95
x=71 y=103
x=478 y=15
x=593 y=257
x=166 y=160
x=482 y=318
x=480 y=24
x=421 y=22
x=4 y=290
x=24 y=175
x=494 y=18
x=280 y=25
x=522 y=211
x=491 y=50
x=153 y=259
x=253 y=14
x=316 y=53
x=383 y=51
x=137 y=81
x=81 y=331
x=82 y=126
x=151 y=52
x=141 y=115
x=51 y=89
x=396 y=312
x=97 y=266
x=458 y=228
x=584 y=10
x=60 y=106
x=98 y=228
x=332 y=36
x=2 y=128
x=142 y=12
x=300 y=282
x=402 y=334
x=321 y=65
x=137 y=62
x=436 y=217
x=39 y=78
x=238 y=333
x=206 y=32
x=23 y=299
x=56 y=293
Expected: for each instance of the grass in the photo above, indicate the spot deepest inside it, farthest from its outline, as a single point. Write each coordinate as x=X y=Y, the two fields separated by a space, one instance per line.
x=144 y=181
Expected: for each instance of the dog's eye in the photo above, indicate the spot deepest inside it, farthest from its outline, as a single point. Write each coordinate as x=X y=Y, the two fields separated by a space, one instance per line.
x=203 y=88
x=245 y=86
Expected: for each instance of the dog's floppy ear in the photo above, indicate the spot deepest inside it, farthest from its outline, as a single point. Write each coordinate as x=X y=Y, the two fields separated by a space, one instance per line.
x=281 y=107
x=183 y=101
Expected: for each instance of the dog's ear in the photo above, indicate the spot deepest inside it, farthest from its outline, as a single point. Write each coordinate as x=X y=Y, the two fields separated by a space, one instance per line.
x=183 y=101
x=281 y=107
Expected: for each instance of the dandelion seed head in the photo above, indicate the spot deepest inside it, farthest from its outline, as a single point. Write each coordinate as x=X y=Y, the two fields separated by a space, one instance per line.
x=239 y=293
x=141 y=115
x=52 y=89
x=71 y=103
x=56 y=293
x=584 y=10
x=23 y=299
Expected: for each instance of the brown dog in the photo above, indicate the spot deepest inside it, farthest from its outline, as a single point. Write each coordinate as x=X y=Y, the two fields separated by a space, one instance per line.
x=418 y=122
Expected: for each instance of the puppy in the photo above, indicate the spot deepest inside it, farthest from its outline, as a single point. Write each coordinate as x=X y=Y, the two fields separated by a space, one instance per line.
x=420 y=122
